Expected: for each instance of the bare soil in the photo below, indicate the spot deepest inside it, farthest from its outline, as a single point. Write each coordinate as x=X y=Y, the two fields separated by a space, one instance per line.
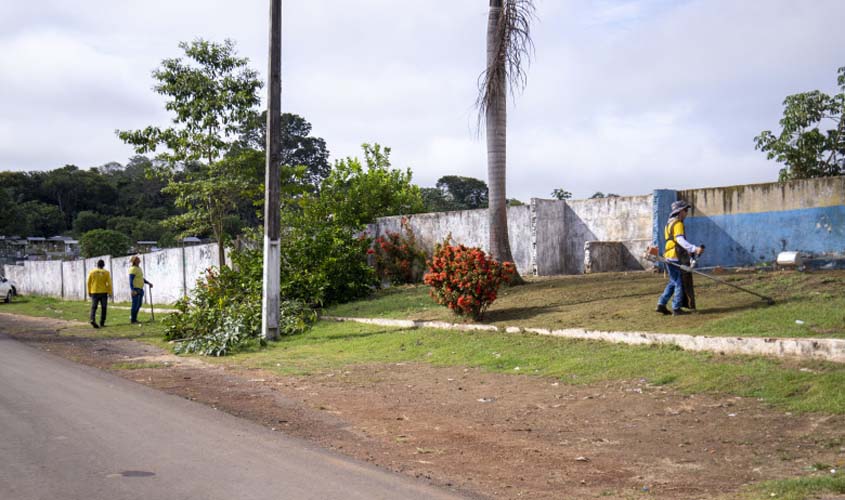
x=491 y=435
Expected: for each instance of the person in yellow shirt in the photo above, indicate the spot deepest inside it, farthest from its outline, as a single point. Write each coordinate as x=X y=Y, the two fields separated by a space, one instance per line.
x=99 y=288
x=136 y=284
x=676 y=245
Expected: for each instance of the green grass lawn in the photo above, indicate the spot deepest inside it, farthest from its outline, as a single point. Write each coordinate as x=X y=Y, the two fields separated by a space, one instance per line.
x=789 y=385
x=806 y=305
x=805 y=386
x=117 y=320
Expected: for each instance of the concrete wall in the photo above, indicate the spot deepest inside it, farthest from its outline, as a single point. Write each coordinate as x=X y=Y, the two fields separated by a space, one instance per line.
x=173 y=272
x=42 y=278
x=626 y=219
x=120 y=279
x=165 y=269
x=468 y=227
x=197 y=260
x=603 y=257
x=75 y=280
x=548 y=220
x=746 y=225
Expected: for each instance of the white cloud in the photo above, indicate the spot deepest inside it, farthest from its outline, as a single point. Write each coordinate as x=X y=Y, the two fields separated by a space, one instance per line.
x=623 y=96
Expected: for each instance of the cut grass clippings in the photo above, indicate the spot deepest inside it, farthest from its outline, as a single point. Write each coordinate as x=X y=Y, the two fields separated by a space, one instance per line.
x=807 y=305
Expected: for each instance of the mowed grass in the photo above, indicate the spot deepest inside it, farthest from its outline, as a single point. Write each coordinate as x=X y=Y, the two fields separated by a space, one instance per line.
x=806 y=304
x=117 y=320
x=796 y=386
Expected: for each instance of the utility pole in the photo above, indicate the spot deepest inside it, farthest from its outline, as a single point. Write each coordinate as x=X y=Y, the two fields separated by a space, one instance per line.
x=272 y=181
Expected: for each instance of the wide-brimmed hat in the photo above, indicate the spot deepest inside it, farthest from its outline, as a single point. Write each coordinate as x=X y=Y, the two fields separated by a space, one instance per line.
x=678 y=207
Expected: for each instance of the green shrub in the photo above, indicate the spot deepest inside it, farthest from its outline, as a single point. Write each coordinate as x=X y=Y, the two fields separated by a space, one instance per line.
x=104 y=242
x=324 y=263
x=224 y=312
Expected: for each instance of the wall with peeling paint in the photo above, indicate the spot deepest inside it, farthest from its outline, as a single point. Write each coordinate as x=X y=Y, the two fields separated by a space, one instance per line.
x=751 y=224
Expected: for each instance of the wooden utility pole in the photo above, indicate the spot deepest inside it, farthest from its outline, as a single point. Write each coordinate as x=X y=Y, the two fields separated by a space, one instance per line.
x=272 y=181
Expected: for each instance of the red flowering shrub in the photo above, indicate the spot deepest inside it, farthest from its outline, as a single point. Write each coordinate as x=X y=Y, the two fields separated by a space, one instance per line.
x=466 y=280
x=398 y=257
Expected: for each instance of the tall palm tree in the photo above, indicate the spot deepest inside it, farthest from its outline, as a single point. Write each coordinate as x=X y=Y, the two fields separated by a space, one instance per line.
x=509 y=48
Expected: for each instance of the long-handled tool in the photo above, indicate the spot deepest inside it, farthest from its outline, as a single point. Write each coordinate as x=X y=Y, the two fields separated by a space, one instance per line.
x=152 y=313
x=653 y=255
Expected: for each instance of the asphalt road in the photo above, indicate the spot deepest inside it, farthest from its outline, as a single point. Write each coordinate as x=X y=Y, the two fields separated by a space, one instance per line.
x=71 y=432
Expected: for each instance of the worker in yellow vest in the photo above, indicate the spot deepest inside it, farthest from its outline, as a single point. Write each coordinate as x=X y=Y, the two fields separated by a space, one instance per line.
x=136 y=284
x=99 y=288
x=676 y=245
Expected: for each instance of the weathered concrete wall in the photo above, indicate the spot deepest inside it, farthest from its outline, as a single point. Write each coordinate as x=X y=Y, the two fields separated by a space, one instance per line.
x=172 y=271
x=75 y=278
x=603 y=257
x=626 y=219
x=197 y=260
x=548 y=220
x=745 y=225
x=42 y=278
x=120 y=279
x=165 y=269
x=468 y=227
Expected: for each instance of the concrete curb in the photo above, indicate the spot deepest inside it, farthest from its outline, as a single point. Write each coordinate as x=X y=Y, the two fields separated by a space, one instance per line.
x=817 y=349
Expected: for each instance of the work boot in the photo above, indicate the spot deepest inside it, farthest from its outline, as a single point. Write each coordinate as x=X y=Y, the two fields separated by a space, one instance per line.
x=662 y=309
x=94 y=324
x=679 y=312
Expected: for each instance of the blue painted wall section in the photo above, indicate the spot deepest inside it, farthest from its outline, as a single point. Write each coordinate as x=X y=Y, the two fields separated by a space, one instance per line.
x=751 y=238
x=663 y=199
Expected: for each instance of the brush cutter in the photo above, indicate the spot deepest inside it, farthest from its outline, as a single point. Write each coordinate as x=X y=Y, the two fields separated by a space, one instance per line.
x=653 y=255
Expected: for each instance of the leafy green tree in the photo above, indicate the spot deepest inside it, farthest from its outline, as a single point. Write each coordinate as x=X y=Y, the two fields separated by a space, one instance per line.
x=465 y=193
x=12 y=221
x=434 y=201
x=599 y=194
x=43 y=219
x=354 y=194
x=299 y=147
x=88 y=220
x=73 y=190
x=213 y=96
x=508 y=47
x=561 y=194
x=209 y=197
x=104 y=242
x=805 y=149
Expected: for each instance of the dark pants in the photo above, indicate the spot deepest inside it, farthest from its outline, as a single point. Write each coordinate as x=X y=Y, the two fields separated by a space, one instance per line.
x=102 y=299
x=137 y=301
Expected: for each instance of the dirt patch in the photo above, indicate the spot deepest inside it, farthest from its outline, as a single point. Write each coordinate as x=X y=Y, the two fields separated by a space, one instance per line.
x=493 y=435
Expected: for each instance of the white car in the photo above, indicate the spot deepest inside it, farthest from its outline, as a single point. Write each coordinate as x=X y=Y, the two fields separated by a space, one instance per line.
x=7 y=290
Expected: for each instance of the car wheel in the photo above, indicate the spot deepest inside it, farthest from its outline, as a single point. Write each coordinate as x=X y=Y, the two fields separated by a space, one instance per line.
x=8 y=298
x=14 y=292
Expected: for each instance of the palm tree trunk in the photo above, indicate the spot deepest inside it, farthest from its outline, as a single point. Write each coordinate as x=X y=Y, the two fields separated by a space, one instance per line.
x=496 y=122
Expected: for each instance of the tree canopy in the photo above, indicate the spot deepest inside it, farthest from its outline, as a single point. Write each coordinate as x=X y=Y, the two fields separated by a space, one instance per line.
x=213 y=96
x=812 y=138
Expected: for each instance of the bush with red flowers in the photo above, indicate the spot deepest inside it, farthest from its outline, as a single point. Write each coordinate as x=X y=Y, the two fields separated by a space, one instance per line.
x=398 y=257
x=465 y=279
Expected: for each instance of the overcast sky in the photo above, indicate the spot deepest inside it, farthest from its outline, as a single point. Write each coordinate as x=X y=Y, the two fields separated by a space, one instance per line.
x=622 y=96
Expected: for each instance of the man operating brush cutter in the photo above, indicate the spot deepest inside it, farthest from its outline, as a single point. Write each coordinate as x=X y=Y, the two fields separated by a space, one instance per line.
x=677 y=258
x=677 y=249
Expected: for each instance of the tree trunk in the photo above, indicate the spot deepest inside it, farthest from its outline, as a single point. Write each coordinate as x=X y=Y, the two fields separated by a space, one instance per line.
x=496 y=122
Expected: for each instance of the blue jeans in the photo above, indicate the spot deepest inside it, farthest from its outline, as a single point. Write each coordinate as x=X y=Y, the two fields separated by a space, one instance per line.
x=674 y=286
x=137 y=301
